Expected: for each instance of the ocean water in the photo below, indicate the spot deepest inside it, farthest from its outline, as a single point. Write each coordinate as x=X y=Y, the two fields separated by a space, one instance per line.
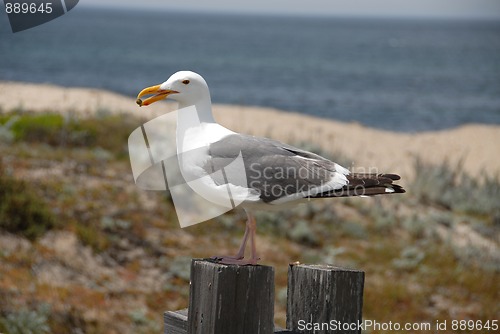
x=400 y=75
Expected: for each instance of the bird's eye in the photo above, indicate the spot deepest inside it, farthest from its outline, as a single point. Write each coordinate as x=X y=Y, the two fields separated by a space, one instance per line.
x=185 y=81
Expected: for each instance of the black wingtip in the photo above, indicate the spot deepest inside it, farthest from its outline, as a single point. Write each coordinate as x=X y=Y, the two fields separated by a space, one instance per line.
x=393 y=177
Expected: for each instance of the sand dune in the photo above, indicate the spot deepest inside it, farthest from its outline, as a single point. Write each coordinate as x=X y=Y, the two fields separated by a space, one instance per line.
x=475 y=145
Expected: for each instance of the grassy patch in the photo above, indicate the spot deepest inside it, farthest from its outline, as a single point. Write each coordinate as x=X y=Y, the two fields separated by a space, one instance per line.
x=92 y=236
x=452 y=188
x=21 y=210
x=26 y=321
x=108 y=131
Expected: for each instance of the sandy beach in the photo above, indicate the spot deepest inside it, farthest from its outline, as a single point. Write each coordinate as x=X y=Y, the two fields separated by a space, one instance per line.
x=476 y=146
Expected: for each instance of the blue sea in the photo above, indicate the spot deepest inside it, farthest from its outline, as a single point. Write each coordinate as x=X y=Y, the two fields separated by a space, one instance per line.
x=402 y=75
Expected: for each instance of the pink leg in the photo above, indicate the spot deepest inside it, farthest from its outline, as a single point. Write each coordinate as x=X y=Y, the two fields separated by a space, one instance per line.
x=252 y=225
x=241 y=252
x=239 y=258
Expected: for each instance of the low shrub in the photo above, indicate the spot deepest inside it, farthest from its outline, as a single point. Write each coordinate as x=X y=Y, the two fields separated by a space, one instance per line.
x=21 y=210
x=109 y=131
x=451 y=187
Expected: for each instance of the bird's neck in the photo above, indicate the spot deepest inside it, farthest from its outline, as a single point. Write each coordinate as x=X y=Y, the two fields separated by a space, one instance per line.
x=203 y=109
x=191 y=123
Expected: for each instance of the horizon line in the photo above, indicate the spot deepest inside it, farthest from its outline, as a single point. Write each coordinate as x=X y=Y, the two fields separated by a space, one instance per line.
x=292 y=14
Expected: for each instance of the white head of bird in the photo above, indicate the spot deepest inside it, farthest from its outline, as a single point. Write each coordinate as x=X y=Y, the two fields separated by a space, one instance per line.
x=186 y=87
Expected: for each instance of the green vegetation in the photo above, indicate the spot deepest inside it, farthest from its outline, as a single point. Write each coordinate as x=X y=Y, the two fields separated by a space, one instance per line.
x=70 y=131
x=451 y=188
x=92 y=236
x=26 y=322
x=21 y=210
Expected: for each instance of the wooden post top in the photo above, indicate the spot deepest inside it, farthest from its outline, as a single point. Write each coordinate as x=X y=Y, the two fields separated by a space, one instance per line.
x=327 y=267
x=213 y=263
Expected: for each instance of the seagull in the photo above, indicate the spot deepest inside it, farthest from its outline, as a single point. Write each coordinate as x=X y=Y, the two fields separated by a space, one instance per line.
x=277 y=175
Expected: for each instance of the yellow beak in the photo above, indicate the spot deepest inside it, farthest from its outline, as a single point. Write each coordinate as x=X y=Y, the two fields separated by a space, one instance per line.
x=159 y=94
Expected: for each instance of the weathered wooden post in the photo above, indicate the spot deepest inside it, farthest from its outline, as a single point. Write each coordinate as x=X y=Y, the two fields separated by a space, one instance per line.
x=240 y=300
x=322 y=297
x=228 y=299
x=176 y=322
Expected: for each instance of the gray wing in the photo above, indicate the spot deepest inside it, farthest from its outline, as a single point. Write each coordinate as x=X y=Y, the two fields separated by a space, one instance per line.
x=273 y=169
